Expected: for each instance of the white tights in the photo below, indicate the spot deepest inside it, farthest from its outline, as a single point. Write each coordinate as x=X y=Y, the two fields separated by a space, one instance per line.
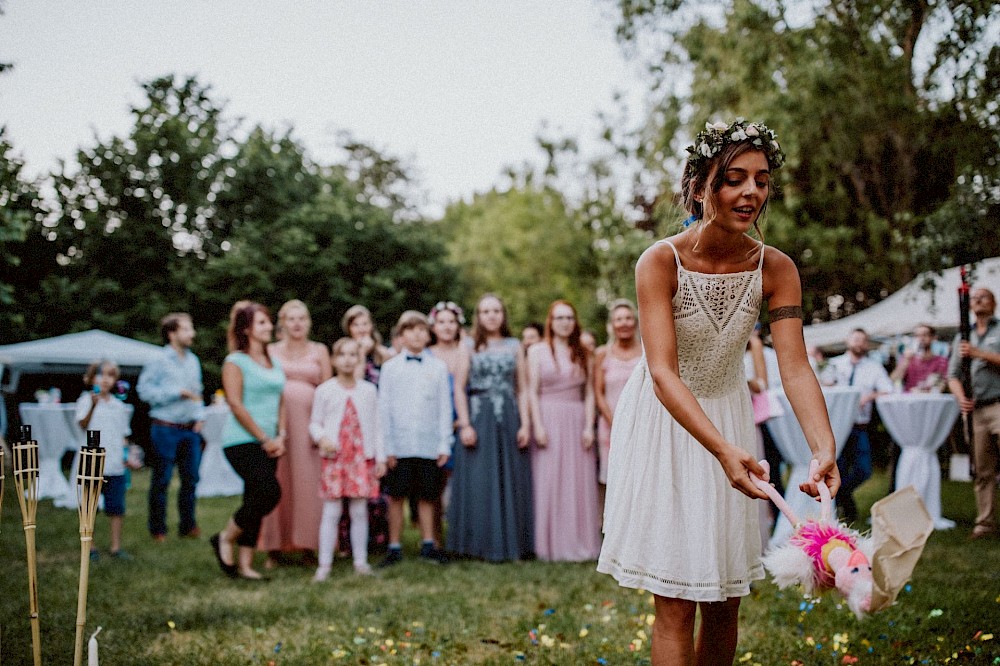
x=358 y=510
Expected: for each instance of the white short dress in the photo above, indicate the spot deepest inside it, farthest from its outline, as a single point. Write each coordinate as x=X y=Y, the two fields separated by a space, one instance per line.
x=673 y=525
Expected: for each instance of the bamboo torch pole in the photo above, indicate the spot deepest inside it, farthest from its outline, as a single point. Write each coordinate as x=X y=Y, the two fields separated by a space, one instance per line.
x=89 y=481
x=26 y=483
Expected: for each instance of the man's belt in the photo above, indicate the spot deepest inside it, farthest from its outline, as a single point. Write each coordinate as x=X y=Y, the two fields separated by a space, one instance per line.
x=987 y=402
x=180 y=426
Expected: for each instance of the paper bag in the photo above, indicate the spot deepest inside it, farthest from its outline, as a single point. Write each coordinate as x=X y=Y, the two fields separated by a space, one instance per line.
x=900 y=528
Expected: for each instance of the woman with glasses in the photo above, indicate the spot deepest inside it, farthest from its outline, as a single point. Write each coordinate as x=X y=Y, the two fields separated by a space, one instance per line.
x=564 y=462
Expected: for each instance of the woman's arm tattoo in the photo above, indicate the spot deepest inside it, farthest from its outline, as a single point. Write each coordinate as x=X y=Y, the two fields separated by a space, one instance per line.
x=785 y=312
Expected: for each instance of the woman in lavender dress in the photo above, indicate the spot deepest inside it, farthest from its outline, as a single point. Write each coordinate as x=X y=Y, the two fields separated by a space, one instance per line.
x=564 y=463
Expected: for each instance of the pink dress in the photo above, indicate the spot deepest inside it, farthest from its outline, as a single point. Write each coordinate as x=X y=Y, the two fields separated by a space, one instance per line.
x=616 y=374
x=348 y=473
x=564 y=474
x=294 y=523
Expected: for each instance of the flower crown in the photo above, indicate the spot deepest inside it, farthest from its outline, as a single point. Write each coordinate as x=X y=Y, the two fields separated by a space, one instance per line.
x=451 y=307
x=716 y=136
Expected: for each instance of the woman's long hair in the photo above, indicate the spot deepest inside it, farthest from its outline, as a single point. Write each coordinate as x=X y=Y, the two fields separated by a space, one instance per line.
x=240 y=321
x=578 y=353
x=355 y=311
x=478 y=334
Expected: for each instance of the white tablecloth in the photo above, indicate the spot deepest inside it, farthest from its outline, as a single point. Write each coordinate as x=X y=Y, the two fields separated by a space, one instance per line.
x=216 y=477
x=920 y=423
x=842 y=406
x=54 y=427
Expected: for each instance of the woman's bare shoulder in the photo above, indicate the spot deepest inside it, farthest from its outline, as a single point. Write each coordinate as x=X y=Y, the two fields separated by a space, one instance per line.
x=659 y=256
x=777 y=263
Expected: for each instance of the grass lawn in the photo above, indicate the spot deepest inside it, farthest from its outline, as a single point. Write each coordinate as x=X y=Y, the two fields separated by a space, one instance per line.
x=172 y=606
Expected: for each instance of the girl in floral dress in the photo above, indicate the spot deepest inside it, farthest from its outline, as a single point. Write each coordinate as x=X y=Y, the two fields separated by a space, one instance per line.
x=345 y=427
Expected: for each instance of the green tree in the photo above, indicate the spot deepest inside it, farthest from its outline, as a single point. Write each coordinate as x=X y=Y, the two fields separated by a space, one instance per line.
x=21 y=209
x=523 y=244
x=269 y=176
x=877 y=134
x=139 y=216
x=331 y=253
x=381 y=179
x=136 y=215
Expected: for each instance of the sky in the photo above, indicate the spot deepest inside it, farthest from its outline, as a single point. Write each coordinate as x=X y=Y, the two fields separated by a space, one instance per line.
x=458 y=89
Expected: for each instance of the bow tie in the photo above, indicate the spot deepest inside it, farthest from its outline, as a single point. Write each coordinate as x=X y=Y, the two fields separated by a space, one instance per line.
x=411 y=357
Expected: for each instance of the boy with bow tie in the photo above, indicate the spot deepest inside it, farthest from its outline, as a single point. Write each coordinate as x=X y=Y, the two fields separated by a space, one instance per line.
x=415 y=411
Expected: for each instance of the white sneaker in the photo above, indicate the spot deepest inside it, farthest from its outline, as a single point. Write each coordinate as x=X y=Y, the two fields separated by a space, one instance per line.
x=362 y=569
x=321 y=575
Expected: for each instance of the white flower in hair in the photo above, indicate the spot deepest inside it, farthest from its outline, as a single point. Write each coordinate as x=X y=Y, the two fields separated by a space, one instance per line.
x=716 y=136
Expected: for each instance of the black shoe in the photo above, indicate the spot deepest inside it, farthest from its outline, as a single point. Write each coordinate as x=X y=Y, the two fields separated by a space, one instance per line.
x=432 y=554
x=228 y=569
x=392 y=558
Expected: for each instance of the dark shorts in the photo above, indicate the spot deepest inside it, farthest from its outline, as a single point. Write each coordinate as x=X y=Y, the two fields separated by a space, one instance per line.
x=413 y=477
x=114 y=495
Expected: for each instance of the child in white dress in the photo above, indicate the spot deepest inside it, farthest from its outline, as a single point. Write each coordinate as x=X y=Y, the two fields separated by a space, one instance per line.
x=346 y=429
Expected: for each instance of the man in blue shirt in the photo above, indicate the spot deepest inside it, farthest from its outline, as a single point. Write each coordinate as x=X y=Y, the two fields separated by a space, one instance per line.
x=173 y=388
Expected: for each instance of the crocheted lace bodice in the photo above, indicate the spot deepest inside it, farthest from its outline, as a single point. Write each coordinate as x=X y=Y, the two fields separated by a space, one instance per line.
x=714 y=315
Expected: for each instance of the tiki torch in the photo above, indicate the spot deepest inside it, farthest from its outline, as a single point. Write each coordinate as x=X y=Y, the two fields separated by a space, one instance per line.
x=89 y=481
x=964 y=331
x=26 y=481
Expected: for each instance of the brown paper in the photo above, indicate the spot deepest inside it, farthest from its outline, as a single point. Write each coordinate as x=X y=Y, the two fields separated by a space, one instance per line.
x=900 y=528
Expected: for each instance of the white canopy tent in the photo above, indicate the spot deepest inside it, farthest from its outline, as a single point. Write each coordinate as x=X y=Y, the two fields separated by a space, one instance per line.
x=70 y=354
x=912 y=305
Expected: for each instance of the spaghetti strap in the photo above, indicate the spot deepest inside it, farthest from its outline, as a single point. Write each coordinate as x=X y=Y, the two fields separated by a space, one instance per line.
x=677 y=257
x=760 y=265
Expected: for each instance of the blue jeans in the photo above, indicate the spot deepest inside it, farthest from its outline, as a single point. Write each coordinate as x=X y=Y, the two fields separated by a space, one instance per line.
x=855 y=465
x=183 y=448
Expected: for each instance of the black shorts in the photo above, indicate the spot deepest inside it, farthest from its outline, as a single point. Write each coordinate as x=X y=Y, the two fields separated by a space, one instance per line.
x=416 y=477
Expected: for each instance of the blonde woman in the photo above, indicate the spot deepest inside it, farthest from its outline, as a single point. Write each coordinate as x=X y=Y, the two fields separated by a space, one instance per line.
x=613 y=365
x=294 y=524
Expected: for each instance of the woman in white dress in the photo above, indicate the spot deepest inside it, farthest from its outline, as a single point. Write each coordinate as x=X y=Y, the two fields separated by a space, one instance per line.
x=680 y=520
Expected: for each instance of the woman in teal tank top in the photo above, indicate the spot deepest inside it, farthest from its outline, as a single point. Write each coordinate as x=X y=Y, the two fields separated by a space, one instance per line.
x=254 y=436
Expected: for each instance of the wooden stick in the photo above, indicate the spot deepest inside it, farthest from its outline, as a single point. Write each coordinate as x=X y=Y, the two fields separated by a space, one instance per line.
x=26 y=483
x=89 y=480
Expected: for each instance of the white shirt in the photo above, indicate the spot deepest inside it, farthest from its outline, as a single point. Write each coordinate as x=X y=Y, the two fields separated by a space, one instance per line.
x=328 y=414
x=414 y=405
x=770 y=366
x=868 y=376
x=111 y=417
